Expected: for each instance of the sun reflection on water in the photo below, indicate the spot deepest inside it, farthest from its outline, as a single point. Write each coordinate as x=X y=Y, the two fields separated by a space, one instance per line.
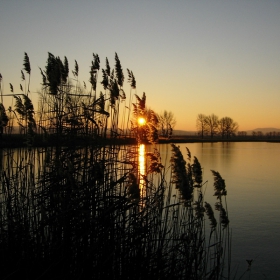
x=142 y=169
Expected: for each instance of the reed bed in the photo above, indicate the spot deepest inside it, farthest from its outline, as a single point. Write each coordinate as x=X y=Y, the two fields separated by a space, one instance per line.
x=82 y=208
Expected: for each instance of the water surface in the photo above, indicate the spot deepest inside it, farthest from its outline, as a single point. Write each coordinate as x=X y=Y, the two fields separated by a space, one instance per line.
x=252 y=174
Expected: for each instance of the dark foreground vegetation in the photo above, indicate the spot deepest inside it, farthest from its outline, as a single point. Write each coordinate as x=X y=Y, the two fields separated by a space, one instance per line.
x=81 y=206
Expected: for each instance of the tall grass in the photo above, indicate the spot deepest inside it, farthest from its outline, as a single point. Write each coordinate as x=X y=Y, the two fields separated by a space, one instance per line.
x=82 y=209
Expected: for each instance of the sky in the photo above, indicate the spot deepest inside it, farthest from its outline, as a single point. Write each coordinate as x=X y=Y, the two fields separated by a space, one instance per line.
x=190 y=57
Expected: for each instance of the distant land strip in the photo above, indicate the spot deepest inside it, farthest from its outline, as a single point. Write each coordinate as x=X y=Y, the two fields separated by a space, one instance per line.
x=19 y=140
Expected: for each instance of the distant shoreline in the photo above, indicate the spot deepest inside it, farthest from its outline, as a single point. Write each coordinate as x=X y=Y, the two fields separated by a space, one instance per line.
x=17 y=140
x=196 y=139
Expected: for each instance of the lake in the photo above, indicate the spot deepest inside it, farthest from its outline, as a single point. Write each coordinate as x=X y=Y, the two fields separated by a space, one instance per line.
x=252 y=174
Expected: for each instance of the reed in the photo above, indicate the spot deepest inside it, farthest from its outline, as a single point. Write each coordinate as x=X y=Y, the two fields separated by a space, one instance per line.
x=81 y=208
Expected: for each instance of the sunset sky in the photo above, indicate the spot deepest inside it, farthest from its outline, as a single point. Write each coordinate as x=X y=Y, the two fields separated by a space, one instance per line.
x=189 y=57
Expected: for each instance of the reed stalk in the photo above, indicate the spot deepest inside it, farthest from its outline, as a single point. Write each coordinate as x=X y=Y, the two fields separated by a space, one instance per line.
x=83 y=209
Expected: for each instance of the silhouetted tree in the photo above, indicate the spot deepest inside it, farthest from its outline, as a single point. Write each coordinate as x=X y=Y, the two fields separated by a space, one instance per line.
x=167 y=123
x=201 y=124
x=260 y=133
x=227 y=127
x=212 y=124
x=242 y=133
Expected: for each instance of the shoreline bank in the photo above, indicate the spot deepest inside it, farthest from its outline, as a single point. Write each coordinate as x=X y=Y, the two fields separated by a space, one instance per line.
x=19 y=140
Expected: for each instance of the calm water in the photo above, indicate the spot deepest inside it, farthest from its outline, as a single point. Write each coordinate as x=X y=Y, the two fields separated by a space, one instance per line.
x=252 y=175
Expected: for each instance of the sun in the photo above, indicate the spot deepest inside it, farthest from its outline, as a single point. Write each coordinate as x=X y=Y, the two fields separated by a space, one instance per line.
x=141 y=121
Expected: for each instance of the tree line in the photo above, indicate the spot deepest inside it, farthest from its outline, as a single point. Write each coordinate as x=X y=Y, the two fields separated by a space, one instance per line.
x=207 y=125
x=211 y=125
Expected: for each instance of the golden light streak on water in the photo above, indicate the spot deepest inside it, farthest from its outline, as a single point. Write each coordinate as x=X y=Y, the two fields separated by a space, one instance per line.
x=142 y=169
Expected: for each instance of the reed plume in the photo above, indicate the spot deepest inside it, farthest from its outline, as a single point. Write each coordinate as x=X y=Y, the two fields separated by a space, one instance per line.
x=180 y=177
x=78 y=207
x=27 y=68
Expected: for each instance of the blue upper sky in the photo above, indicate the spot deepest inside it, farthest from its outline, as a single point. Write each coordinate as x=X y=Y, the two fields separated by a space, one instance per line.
x=190 y=57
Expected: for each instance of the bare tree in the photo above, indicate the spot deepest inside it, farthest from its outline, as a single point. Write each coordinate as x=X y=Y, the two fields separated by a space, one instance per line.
x=242 y=133
x=201 y=124
x=212 y=124
x=167 y=123
x=227 y=127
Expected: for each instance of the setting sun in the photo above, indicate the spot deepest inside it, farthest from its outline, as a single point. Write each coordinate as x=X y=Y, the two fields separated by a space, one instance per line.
x=141 y=121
